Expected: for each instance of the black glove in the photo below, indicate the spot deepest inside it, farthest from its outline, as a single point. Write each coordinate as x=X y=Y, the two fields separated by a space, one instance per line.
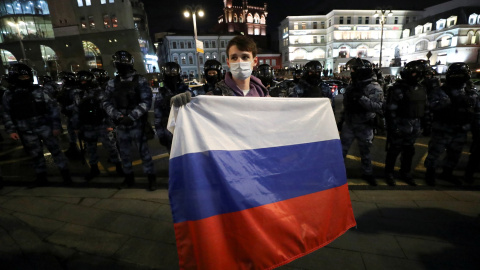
x=126 y=121
x=181 y=99
x=357 y=94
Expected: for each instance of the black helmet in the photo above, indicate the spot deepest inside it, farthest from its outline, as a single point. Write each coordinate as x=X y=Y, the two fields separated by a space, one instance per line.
x=171 y=69
x=101 y=75
x=458 y=74
x=213 y=64
x=20 y=74
x=46 y=79
x=265 y=74
x=361 y=69
x=68 y=78
x=430 y=72
x=123 y=62
x=312 y=72
x=414 y=71
x=313 y=66
x=85 y=78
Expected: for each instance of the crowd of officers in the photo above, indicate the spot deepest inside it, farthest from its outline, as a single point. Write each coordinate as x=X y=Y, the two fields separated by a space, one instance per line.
x=114 y=111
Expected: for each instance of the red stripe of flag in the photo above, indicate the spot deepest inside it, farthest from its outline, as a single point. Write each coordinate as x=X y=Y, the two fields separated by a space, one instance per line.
x=267 y=236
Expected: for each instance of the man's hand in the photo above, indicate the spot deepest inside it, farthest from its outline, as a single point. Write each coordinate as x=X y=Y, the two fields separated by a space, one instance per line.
x=181 y=99
x=14 y=136
x=126 y=121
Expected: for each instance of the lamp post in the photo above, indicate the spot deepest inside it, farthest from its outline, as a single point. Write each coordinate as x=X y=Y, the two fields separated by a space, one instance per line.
x=382 y=22
x=194 y=10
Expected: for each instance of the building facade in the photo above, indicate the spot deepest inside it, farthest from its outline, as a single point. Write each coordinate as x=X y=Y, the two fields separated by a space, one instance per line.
x=73 y=35
x=407 y=35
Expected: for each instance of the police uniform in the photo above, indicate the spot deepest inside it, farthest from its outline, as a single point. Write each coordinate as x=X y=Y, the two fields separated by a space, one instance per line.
x=33 y=115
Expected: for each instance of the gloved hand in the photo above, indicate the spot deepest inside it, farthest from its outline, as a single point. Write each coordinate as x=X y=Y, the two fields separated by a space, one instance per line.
x=126 y=121
x=181 y=99
x=356 y=95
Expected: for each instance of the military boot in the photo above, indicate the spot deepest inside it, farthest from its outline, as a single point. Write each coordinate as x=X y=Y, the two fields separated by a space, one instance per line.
x=119 y=168
x=430 y=176
x=447 y=175
x=390 y=179
x=67 y=178
x=152 y=182
x=128 y=181
x=94 y=171
x=370 y=179
x=407 y=177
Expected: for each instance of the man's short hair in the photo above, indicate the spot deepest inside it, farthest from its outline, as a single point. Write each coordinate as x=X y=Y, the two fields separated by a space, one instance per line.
x=243 y=43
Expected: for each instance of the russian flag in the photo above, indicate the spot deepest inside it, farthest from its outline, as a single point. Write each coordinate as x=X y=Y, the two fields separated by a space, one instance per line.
x=255 y=183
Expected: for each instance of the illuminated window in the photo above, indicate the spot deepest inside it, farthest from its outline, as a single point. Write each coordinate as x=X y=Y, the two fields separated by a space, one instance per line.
x=103 y=2
x=114 y=21
x=106 y=21
x=190 y=60
x=80 y=3
x=182 y=45
x=91 y=22
x=472 y=19
x=274 y=62
x=295 y=26
x=314 y=25
x=304 y=26
x=359 y=20
x=111 y=1
x=83 y=23
x=444 y=41
x=421 y=46
x=184 y=61
x=88 y=2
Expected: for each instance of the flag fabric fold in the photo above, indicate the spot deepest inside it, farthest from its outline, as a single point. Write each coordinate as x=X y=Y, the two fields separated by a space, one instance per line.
x=255 y=182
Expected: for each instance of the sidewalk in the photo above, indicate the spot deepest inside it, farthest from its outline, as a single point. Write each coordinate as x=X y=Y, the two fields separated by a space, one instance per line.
x=102 y=227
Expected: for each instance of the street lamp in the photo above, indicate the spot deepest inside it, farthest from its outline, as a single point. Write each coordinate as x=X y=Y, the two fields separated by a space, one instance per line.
x=382 y=22
x=194 y=10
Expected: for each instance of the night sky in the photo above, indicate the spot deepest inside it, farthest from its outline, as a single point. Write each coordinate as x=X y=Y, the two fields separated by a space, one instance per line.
x=162 y=19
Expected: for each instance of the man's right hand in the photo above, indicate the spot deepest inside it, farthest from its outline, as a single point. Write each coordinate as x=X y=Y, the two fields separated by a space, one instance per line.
x=14 y=136
x=181 y=99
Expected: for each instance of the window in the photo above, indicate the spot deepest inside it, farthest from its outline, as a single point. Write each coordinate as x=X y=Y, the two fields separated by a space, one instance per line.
x=103 y=2
x=224 y=59
x=267 y=61
x=295 y=26
x=377 y=20
x=106 y=21
x=315 y=39
x=88 y=2
x=114 y=21
x=214 y=44
x=111 y=1
x=341 y=20
x=359 y=20
x=174 y=45
x=444 y=41
x=182 y=45
x=222 y=44
x=200 y=59
x=323 y=25
x=472 y=19
x=367 y=20
x=184 y=61
x=80 y=3
x=329 y=22
x=83 y=23
x=349 y=20
x=91 y=22
x=175 y=59
x=304 y=25
x=189 y=44
x=206 y=44
x=396 y=20
x=314 y=25
x=274 y=62
x=322 y=39
x=190 y=60
x=421 y=46
x=407 y=19
x=414 y=19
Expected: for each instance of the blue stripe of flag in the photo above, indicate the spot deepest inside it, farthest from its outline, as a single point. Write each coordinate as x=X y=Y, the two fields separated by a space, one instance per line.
x=210 y=183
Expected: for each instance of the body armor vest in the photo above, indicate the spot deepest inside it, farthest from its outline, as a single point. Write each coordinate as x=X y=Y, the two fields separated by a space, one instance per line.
x=126 y=94
x=353 y=106
x=23 y=105
x=91 y=112
x=413 y=103
x=455 y=114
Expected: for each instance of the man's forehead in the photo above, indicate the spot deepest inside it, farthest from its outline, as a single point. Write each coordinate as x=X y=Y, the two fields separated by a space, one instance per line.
x=235 y=52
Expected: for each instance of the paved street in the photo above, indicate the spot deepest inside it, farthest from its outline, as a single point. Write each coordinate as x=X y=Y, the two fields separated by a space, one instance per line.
x=97 y=226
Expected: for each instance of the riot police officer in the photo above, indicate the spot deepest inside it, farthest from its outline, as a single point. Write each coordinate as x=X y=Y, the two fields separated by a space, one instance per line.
x=453 y=110
x=65 y=99
x=92 y=124
x=405 y=110
x=311 y=84
x=101 y=77
x=127 y=99
x=33 y=116
x=265 y=74
x=213 y=74
x=173 y=85
x=363 y=99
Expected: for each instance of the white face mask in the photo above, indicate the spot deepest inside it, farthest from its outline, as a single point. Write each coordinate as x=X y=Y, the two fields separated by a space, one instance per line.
x=241 y=70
